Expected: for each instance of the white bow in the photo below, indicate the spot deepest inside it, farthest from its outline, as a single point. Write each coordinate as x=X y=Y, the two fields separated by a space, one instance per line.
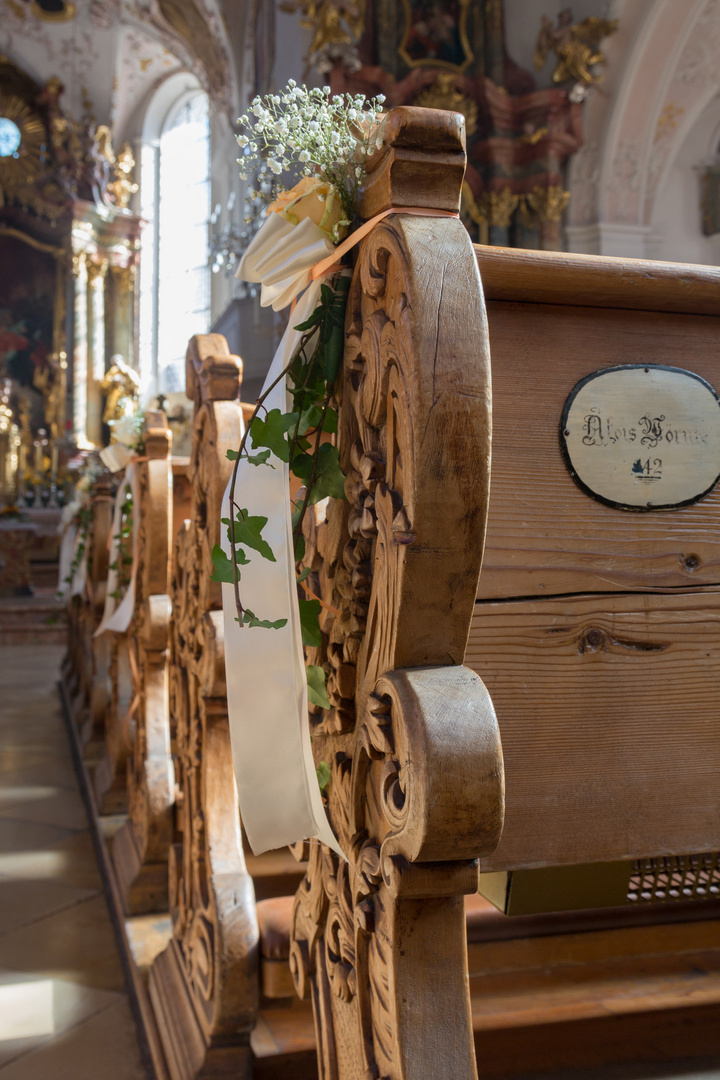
x=280 y=257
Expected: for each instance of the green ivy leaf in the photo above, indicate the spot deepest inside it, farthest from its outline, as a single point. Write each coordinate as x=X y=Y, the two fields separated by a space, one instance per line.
x=247 y=530
x=329 y=478
x=261 y=458
x=301 y=577
x=317 y=693
x=232 y=455
x=330 y=423
x=309 y=616
x=310 y=418
x=250 y=619
x=223 y=567
x=300 y=549
x=302 y=465
x=271 y=432
x=314 y=320
x=323 y=775
x=326 y=296
x=334 y=346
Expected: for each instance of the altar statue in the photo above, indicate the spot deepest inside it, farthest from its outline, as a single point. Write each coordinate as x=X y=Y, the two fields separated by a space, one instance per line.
x=122 y=386
x=576 y=47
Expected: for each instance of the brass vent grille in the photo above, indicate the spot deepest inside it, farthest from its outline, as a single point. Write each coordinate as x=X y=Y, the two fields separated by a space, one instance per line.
x=675 y=877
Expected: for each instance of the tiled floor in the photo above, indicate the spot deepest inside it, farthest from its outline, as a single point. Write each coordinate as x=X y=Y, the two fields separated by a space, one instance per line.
x=64 y=1012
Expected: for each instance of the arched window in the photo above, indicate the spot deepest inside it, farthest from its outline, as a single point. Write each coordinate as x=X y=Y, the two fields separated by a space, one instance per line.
x=175 y=200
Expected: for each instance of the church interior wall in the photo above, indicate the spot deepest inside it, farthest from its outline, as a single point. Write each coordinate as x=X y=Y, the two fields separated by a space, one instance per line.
x=674 y=229
x=635 y=187
x=633 y=148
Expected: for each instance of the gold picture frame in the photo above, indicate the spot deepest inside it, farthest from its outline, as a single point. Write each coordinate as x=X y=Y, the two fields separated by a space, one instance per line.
x=435 y=34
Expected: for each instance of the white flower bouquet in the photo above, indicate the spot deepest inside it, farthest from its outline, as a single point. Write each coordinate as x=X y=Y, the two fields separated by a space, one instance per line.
x=308 y=132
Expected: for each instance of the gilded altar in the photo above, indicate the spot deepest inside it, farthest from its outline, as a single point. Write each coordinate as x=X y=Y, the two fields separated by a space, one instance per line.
x=69 y=247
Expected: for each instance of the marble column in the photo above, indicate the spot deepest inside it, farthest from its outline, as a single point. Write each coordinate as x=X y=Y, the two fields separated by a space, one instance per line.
x=123 y=311
x=80 y=349
x=97 y=272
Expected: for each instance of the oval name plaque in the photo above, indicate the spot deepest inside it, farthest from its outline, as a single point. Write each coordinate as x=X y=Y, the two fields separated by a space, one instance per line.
x=643 y=437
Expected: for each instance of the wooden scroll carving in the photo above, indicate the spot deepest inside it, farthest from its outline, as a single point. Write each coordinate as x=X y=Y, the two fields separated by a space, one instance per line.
x=86 y=667
x=140 y=849
x=416 y=790
x=204 y=986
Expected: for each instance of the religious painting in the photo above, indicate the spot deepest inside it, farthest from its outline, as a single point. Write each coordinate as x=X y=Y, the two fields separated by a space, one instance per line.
x=29 y=283
x=435 y=34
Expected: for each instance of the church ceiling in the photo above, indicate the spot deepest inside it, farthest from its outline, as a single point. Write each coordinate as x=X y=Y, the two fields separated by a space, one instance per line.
x=113 y=53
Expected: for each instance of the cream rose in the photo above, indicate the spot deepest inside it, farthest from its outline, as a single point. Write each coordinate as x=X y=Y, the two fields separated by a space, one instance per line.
x=315 y=199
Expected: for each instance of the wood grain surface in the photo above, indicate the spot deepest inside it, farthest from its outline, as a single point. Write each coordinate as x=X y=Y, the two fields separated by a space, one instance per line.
x=545 y=535
x=547 y=277
x=607 y=708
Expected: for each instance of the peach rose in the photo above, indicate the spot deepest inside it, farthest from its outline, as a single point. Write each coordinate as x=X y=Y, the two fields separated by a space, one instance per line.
x=315 y=199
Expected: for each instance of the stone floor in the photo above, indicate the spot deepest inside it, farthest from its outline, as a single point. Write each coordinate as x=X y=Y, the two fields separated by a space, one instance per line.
x=64 y=1009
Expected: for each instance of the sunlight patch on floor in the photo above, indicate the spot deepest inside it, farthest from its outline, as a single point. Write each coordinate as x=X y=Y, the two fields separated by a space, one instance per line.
x=26 y=1009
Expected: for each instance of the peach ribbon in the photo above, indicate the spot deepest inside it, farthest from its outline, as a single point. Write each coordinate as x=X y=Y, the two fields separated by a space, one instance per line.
x=332 y=262
x=361 y=232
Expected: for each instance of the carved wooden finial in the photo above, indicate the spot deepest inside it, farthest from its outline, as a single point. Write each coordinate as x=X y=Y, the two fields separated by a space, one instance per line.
x=212 y=373
x=421 y=163
x=157 y=435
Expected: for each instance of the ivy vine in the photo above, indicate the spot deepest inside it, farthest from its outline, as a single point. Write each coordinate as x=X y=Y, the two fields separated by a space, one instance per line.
x=296 y=439
x=123 y=563
x=84 y=519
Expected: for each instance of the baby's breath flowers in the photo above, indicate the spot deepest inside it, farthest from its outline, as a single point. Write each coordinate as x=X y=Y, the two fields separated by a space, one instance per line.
x=308 y=132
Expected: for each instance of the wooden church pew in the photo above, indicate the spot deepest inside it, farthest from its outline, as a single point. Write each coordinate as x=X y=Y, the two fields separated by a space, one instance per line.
x=606 y=699
x=140 y=848
x=204 y=986
x=456 y=986
x=110 y=772
x=85 y=667
x=416 y=791
x=145 y=721
x=134 y=773
x=596 y=633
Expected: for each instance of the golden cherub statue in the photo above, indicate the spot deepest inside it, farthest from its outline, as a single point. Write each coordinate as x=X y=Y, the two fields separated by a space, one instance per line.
x=121 y=384
x=576 y=47
x=336 y=24
x=122 y=187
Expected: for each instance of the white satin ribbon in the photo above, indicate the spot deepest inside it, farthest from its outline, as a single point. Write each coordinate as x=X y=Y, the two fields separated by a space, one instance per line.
x=117 y=616
x=277 y=786
x=79 y=581
x=280 y=257
x=69 y=537
x=116 y=456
